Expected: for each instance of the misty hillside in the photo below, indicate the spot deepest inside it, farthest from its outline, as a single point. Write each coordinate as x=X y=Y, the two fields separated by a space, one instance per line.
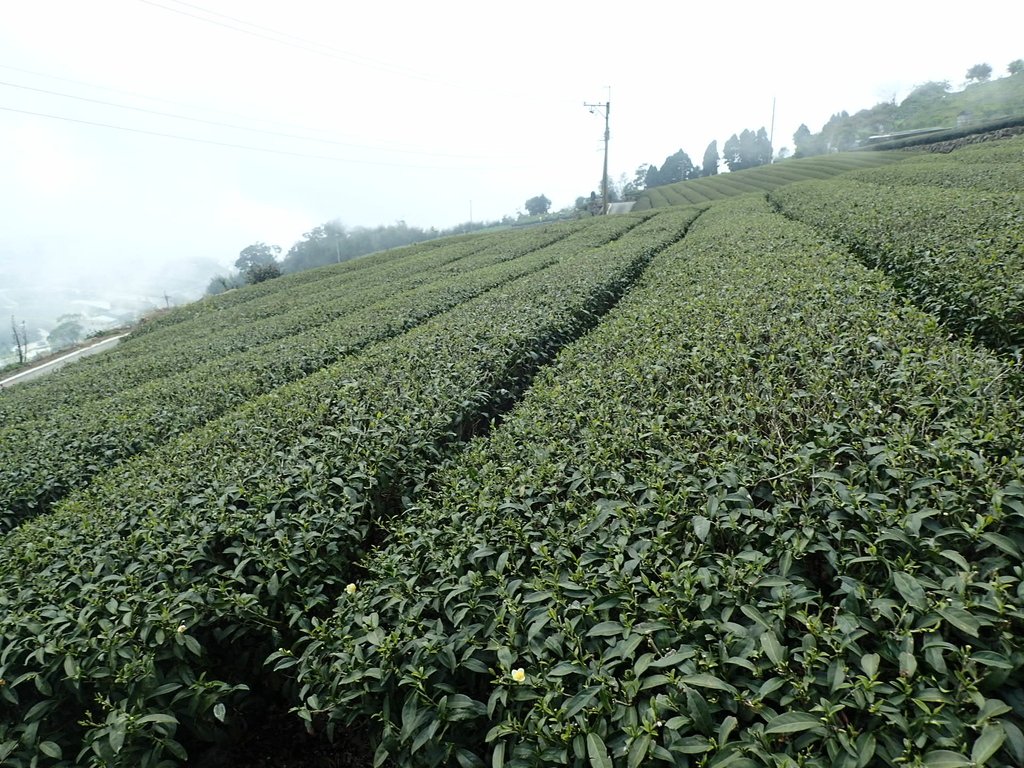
x=761 y=179
x=737 y=483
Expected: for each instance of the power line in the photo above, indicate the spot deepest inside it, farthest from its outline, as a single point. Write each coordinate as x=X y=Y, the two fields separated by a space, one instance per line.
x=322 y=49
x=232 y=145
x=147 y=97
x=294 y=41
x=231 y=125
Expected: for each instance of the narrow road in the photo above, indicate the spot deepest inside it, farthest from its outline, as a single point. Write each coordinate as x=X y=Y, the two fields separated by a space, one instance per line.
x=57 y=362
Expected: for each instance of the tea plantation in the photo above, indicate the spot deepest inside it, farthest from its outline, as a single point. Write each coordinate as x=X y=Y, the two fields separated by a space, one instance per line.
x=737 y=484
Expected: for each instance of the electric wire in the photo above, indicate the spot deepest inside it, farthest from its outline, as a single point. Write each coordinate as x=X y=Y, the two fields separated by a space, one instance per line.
x=295 y=42
x=331 y=51
x=147 y=97
x=236 y=126
x=233 y=145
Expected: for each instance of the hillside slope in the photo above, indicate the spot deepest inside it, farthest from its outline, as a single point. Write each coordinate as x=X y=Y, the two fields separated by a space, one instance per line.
x=738 y=484
x=761 y=179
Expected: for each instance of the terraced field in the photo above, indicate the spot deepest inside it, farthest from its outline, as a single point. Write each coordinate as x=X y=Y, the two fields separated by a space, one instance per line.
x=739 y=484
x=762 y=179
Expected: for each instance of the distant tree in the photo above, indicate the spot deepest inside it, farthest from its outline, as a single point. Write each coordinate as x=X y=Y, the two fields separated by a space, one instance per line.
x=710 y=167
x=222 y=283
x=257 y=255
x=17 y=338
x=783 y=153
x=333 y=242
x=68 y=331
x=925 y=106
x=761 y=148
x=628 y=188
x=20 y=338
x=258 y=262
x=320 y=246
x=880 y=118
x=748 y=150
x=839 y=133
x=537 y=206
x=802 y=140
x=262 y=272
x=807 y=144
x=677 y=167
x=1015 y=67
x=640 y=175
x=731 y=153
x=979 y=73
x=931 y=91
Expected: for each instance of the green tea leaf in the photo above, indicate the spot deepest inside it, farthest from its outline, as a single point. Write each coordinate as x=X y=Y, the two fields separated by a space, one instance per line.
x=704 y=680
x=116 y=736
x=869 y=663
x=606 y=629
x=51 y=749
x=581 y=700
x=794 y=722
x=597 y=752
x=773 y=648
x=961 y=619
x=988 y=743
x=943 y=758
x=910 y=590
x=638 y=751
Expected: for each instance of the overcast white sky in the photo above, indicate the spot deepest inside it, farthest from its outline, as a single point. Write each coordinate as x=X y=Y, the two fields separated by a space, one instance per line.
x=386 y=110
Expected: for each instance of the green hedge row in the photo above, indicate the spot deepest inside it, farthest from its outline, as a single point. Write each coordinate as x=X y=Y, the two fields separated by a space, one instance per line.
x=42 y=461
x=231 y=330
x=766 y=514
x=136 y=615
x=1009 y=150
x=337 y=281
x=958 y=254
x=762 y=178
x=212 y=306
x=982 y=177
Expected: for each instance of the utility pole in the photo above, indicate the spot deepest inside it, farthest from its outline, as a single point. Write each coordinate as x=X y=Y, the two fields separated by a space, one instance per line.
x=607 y=106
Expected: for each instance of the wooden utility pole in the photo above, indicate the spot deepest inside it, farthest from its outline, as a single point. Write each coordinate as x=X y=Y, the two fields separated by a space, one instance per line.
x=607 y=107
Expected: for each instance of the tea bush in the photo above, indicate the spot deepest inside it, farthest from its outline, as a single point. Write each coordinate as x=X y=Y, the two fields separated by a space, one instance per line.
x=139 y=612
x=766 y=514
x=956 y=253
x=43 y=460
